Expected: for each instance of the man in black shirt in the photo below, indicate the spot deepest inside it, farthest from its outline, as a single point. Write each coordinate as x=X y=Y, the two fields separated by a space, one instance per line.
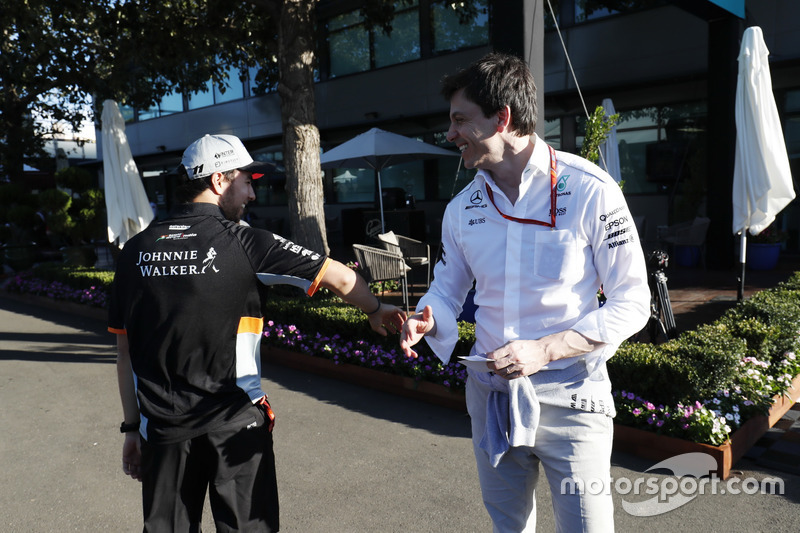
x=186 y=308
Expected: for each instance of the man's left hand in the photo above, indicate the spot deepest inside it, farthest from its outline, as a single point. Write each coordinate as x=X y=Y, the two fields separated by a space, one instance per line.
x=519 y=358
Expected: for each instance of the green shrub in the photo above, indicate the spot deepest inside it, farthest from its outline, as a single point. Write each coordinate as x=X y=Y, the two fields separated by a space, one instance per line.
x=778 y=313
x=75 y=179
x=791 y=284
x=712 y=356
x=647 y=370
x=75 y=277
x=694 y=366
x=329 y=316
x=54 y=200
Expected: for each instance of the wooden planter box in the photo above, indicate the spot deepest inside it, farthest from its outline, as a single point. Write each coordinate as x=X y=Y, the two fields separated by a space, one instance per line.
x=639 y=442
x=658 y=447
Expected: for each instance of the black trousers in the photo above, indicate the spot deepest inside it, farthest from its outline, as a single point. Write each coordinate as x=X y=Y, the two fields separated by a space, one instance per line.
x=234 y=463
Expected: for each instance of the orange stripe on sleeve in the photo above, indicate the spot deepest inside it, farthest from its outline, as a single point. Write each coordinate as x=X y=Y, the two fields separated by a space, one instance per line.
x=249 y=324
x=315 y=284
x=118 y=331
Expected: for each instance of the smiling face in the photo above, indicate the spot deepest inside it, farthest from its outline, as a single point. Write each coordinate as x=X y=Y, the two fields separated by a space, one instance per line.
x=237 y=194
x=473 y=133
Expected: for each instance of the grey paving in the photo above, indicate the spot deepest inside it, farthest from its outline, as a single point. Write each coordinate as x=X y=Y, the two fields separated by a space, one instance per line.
x=350 y=459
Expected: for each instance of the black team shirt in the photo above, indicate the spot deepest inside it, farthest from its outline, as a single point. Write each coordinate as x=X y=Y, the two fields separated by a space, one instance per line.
x=187 y=293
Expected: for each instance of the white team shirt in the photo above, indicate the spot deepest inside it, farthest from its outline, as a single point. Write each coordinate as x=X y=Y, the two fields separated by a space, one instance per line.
x=532 y=281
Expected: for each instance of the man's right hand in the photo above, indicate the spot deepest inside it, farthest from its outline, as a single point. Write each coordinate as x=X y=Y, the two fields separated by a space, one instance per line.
x=415 y=328
x=132 y=455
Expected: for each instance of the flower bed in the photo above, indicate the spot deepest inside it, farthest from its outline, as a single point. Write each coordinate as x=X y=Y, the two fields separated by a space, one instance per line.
x=26 y=283
x=361 y=353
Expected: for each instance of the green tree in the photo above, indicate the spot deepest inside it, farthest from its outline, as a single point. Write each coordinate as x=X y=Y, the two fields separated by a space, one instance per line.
x=598 y=126
x=55 y=55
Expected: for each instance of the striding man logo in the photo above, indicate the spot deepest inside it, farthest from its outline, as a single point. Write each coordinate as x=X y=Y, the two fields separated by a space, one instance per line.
x=209 y=260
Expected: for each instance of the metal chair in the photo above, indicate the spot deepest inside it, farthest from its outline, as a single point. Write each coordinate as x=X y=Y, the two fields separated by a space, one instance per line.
x=415 y=253
x=382 y=265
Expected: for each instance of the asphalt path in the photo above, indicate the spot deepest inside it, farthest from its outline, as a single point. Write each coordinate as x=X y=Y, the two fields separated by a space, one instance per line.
x=350 y=459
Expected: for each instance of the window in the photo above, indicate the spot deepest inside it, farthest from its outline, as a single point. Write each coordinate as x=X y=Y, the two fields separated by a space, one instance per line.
x=354 y=185
x=590 y=10
x=128 y=113
x=660 y=148
x=200 y=99
x=593 y=9
x=450 y=176
x=270 y=189
x=791 y=214
x=409 y=177
x=403 y=43
x=234 y=90
x=552 y=133
x=348 y=41
x=271 y=84
x=170 y=104
x=353 y=48
x=455 y=28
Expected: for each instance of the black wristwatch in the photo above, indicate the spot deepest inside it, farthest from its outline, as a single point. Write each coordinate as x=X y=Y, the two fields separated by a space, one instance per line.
x=128 y=428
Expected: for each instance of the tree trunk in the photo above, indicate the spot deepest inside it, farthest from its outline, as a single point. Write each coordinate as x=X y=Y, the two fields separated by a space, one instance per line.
x=13 y=135
x=301 y=142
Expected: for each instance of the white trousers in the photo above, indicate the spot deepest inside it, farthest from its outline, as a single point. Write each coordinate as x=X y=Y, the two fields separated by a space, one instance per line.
x=573 y=447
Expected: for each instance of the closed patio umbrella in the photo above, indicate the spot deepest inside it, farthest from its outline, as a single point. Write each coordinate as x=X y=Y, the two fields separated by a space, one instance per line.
x=127 y=207
x=377 y=149
x=609 y=150
x=762 y=180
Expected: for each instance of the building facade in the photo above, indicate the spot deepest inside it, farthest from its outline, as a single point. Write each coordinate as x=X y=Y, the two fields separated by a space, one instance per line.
x=669 y=67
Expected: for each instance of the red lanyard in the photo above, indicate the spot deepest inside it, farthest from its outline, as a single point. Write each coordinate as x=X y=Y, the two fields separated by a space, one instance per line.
x=553 y=180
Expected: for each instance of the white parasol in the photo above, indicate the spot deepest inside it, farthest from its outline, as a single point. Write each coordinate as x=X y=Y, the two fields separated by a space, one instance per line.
x=609 y=150
x=762 y=180
x=377 y=149
x=127 y=206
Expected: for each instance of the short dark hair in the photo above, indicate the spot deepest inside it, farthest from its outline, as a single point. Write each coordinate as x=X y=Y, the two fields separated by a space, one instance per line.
x=495 y=81
x=187 y=190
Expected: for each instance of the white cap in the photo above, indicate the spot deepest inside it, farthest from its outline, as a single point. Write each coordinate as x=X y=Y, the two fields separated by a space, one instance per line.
x=220 y=153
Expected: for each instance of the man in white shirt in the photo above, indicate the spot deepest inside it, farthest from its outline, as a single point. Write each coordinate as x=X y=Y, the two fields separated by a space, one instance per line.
x=538 y=232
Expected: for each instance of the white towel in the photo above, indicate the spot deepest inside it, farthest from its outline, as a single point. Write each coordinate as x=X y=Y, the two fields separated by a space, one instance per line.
x=513 y=406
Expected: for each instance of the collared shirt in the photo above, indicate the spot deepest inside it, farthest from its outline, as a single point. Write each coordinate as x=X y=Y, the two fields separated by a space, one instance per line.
x=532 y=281
x=188 y=294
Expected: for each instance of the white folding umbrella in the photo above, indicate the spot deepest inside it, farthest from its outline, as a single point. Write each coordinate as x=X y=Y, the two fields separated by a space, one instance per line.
x=762 y=180
x=609 y=150
x=377 y=149
x=127 y=207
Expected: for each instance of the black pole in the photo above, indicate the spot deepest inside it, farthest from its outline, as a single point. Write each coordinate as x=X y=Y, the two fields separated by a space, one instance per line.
x=742 y=261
